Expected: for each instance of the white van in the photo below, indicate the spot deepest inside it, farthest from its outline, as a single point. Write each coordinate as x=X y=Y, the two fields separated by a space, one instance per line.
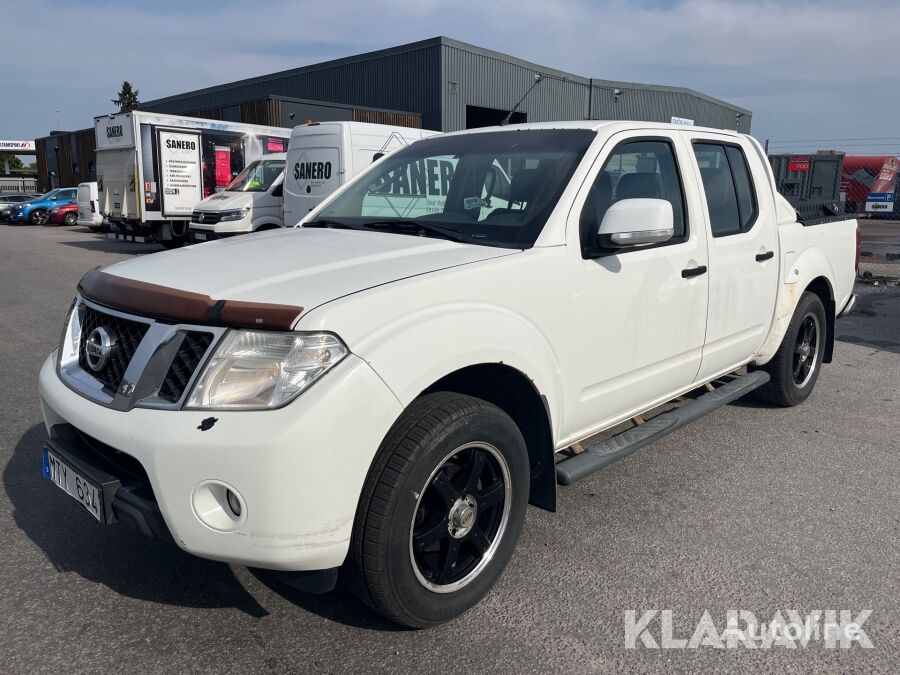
x=88 y=206
x=251 y=203
x=322 y=156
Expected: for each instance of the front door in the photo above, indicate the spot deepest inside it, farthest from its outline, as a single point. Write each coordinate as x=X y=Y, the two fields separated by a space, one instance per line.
x=642 y=310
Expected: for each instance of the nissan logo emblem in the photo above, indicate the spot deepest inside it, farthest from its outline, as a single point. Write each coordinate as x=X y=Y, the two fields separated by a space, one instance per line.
x=98 y=348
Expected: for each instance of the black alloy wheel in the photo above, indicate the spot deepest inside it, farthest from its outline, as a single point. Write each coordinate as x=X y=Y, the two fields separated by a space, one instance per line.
x=460 y=516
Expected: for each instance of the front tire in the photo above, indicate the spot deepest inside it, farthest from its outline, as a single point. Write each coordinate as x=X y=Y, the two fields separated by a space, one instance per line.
x=441 y=510
x=38 y=217
x=795 y=367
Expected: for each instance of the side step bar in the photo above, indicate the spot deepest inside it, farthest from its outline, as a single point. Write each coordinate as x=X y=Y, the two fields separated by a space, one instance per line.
x=623 y=444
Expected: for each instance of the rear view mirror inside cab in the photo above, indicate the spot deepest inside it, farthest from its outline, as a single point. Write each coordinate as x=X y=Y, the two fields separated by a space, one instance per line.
x=636 y=222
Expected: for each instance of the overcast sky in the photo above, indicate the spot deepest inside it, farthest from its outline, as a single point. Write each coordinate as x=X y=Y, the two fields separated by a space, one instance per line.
x=806 y=69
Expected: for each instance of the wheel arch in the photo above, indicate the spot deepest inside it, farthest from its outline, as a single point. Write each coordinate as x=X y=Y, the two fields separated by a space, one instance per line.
x=267 y=225
x=821 y=287
x=811 y=272
x=514 y=393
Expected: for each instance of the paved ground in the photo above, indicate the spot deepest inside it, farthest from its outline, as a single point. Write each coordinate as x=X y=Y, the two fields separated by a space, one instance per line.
x=750 y=508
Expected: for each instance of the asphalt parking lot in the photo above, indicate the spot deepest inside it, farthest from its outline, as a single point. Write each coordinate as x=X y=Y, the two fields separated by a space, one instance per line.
x=751 y=508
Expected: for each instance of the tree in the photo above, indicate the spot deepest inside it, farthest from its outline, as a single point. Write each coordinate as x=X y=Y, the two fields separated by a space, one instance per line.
x=128 y=98
x=15 y=164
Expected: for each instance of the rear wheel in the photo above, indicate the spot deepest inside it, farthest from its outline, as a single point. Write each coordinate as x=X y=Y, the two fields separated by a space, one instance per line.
x=441 y=511
x=795 y=367
x=70 y=219
x=38 y=217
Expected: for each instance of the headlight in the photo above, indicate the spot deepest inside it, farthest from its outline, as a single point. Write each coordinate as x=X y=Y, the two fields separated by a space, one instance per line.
x=234 y=215
x=256 y=370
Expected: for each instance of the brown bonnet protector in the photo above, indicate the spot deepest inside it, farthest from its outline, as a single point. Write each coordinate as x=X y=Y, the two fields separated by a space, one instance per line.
x=171 y=304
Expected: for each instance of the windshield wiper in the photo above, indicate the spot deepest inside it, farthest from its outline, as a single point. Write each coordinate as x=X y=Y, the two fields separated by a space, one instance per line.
x=329 y=223
x=406 y=224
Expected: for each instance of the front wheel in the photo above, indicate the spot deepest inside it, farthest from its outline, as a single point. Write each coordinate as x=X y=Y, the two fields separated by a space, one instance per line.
x=441 y=511
x=38 y=217
x=795 y=367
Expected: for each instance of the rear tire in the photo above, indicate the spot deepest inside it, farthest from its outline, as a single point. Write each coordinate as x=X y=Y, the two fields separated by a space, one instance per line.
x=70 y=219
x=441 y=510
x=795 y=367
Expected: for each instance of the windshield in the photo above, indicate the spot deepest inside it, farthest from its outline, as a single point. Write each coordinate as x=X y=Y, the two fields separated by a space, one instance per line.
x=258 y=177
x=495 y=188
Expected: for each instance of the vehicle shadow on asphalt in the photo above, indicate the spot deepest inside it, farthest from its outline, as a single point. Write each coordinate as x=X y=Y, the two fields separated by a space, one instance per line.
x=101 y=244
x=339 y=605
x=125 y=561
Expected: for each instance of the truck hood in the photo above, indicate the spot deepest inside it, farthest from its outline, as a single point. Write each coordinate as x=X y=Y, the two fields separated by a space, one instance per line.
x=225 y=201
x=300 y=266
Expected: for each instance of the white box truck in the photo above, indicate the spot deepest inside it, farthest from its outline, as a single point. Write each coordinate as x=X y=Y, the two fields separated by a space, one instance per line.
x=152 y=169
x=322 y=156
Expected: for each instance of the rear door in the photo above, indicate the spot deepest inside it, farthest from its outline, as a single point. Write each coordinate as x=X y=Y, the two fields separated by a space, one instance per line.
x=116 y=183
x=84 y=202
x=313 y=170
x=743 y=250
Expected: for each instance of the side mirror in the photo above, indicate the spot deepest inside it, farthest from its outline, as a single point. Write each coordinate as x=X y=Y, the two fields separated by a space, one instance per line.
x=637 y=222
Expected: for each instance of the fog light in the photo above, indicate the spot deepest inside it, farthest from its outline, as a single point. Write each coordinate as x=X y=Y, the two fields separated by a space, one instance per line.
x=233 y=503
x=219 y=506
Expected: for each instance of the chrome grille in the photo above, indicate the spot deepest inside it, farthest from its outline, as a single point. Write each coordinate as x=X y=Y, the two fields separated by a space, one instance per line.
x=189 y=355
x=209 y=217
x=153 y=365
x=128 y=336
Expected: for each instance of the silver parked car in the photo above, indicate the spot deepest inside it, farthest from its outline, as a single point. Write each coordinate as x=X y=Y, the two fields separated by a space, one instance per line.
x=10 y=199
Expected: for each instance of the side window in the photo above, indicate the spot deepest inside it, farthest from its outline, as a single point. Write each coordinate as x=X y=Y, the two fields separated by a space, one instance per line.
x=639 y=169
x=743 y=184
x=728 y=188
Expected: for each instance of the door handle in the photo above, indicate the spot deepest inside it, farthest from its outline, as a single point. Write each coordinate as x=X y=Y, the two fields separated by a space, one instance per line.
x=693 y=271
x=762 y=257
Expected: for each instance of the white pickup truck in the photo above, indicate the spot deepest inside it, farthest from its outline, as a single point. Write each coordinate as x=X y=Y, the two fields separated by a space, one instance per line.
x=386 y=395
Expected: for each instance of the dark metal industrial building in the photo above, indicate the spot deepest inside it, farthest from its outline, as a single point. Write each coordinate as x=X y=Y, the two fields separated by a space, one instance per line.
x=438 y=84
x=454 y=85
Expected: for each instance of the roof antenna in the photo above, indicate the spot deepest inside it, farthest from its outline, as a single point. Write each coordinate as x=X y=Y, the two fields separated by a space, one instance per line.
x=537 y=78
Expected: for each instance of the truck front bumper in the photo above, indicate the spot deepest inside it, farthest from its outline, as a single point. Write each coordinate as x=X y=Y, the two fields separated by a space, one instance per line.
x=298 y=471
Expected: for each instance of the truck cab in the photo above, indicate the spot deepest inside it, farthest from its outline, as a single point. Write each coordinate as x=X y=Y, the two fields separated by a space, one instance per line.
x=252 y=202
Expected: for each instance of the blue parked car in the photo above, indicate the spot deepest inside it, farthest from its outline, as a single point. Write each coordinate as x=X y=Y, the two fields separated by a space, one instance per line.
x=37 y=212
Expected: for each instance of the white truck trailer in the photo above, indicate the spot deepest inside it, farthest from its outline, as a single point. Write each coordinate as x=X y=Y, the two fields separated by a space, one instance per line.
x=152 y=169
